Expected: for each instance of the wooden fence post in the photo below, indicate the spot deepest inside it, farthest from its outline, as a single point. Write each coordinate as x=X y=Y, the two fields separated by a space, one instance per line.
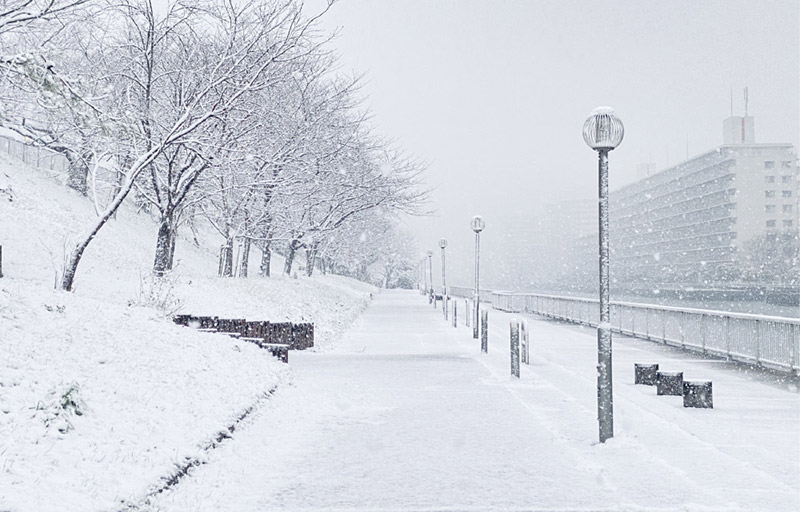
x=484 y=331
x=515 y=348
x=525 y=342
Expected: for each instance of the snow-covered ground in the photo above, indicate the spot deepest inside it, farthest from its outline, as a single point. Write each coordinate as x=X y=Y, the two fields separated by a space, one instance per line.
x=101 y=395
x=407 y=414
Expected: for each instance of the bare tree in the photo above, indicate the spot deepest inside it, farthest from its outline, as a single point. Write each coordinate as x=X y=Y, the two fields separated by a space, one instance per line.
x=175 y=114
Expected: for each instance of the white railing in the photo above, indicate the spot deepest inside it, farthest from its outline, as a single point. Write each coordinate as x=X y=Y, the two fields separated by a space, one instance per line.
x=769 y=341
x=468 y=293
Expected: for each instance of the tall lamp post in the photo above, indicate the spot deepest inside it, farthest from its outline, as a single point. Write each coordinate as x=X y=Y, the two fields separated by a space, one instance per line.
x=442 y=246
x=477 y=224
x=603 y=131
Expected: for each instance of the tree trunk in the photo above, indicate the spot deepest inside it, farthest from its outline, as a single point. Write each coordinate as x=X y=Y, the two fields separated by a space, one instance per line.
x=311 y=258
x=162 y=262
x=227 y=258
x=293 y=246
x=287 y=267
x=71 y=266
x=266 y=260
x=245 y=257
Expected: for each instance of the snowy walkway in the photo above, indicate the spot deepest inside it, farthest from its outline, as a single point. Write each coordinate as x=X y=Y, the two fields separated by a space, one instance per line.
x=406 y=414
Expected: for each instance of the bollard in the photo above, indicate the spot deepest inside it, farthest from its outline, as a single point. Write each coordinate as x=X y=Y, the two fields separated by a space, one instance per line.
x=515 y=348
x=525 y=342
x=645 y=374
x=484 y=331
x=698 y=394
x=669 y=383
x=455 y=313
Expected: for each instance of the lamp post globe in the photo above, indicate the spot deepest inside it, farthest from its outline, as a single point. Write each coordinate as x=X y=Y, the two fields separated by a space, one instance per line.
x=603 y=131
x=477 y=224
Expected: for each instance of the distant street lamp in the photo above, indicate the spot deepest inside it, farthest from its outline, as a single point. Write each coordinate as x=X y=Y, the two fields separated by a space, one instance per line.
x=477 y=224
x=603 y=131
x=442 y=246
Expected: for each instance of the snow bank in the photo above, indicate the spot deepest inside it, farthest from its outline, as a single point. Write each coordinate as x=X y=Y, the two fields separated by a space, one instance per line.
x=101 y=396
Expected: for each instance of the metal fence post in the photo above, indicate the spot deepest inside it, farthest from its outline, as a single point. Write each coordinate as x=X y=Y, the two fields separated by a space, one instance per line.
x=515 y=348
x=455 y=313
x=758 y=342
x=795 y=356
x=484 y=331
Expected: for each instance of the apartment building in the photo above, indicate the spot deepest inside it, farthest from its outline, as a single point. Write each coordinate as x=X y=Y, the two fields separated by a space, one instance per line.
x=693 y=221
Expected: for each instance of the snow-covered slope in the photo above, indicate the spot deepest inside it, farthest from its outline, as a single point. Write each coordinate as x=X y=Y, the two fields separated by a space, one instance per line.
x=100 y=395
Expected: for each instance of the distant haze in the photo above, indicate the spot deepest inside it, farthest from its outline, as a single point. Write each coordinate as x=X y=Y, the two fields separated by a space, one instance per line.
x=494 y=94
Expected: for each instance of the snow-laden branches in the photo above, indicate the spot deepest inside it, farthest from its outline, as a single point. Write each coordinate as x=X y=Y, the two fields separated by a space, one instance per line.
x=230 y=109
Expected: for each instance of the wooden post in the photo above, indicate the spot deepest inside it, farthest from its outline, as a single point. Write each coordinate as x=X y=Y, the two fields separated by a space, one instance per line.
x=485 y=331
x=525 y=340
x=515 y=348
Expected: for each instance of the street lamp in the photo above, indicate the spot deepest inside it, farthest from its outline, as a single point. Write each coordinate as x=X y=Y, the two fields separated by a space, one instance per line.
x=442 y=246
x=603 y=131
x=477 y=224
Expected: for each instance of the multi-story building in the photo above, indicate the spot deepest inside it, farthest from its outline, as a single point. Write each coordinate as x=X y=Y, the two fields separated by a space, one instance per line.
x=693 y=222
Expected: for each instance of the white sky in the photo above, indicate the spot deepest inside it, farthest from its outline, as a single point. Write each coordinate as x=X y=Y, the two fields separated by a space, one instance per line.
x=493 y=94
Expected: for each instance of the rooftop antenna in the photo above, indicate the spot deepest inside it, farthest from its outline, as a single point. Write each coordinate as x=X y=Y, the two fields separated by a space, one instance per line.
x=731 y=101
x=745 y=101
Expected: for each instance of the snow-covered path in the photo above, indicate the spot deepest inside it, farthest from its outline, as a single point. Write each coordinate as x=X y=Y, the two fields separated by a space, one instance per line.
x=406 y=414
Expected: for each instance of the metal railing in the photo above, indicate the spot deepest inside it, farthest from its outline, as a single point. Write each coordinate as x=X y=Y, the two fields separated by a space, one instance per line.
x=40 y=157
x=769 y=341
x=468 y=293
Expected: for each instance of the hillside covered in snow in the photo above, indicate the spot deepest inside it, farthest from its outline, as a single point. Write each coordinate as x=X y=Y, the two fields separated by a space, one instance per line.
x=102 y=395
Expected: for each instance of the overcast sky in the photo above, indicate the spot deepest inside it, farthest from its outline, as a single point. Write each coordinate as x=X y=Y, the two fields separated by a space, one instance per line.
x=493 y=94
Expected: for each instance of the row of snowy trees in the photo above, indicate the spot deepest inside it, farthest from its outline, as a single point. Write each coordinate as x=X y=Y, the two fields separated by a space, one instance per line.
x=230 y=110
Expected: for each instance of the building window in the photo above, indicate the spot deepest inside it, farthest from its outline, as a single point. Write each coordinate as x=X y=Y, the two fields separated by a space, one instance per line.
x=787 y=193
x=786 y=179
x=786 y=164
x=769 y=208
x=771 y=223
x=769 y=164
x=769 y=179
x=787 y=223
x=787 y=208
x=769 y=193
